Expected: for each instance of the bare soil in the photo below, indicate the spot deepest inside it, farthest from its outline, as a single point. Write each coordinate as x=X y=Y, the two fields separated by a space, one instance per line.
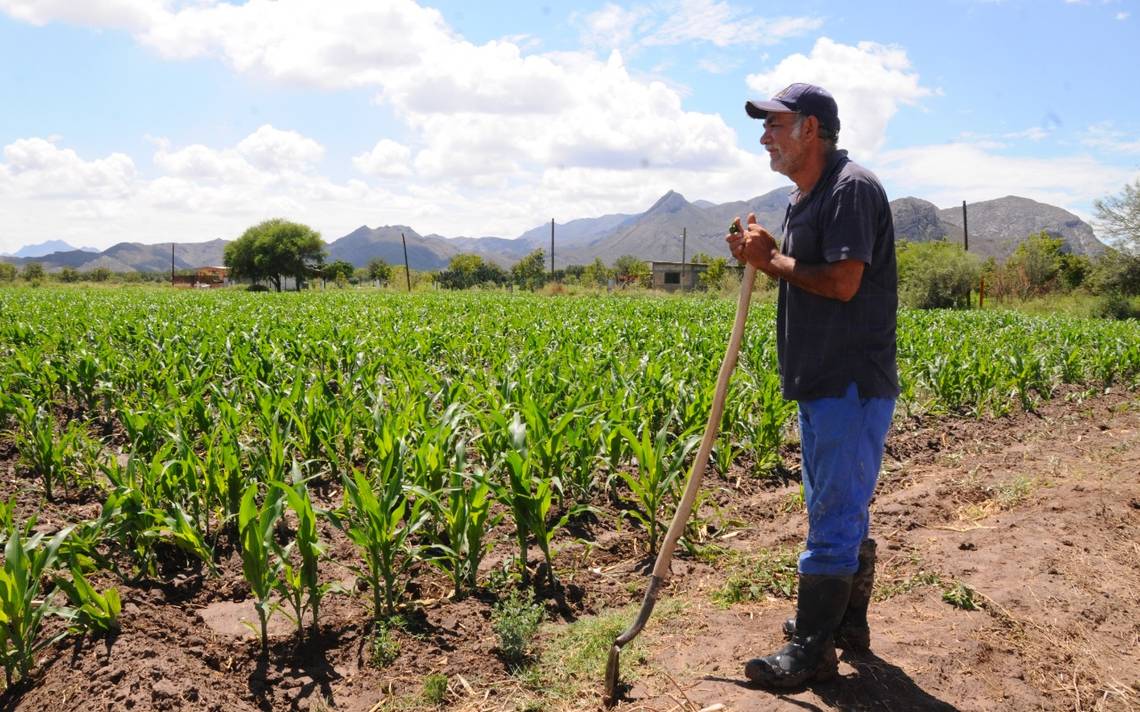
x=1037 y=513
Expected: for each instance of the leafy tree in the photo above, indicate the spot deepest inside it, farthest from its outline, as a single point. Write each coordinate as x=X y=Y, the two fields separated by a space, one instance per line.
x=530 y=271
x=936 y=275
x=1035 y=264
x=33 y=272
x=276 y=249
x=67 y=274
x=379 y=270
x=630 y=269
x=100 y=274
x=340 y=271
x=1118 y=217
x=596 y=273
x=465 y=271
x=7 y=272
x=701 y=258
x=1115 y=272
x=713 y=277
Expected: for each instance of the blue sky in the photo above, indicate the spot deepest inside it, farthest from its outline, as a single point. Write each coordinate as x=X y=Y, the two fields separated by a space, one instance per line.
x=188 y=120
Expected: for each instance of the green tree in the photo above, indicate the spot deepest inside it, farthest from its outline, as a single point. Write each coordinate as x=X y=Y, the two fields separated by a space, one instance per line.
x=33 y=272
x=340 y=272
x=1115 y=272
x=7 y=272
x=632 y=270
x=530 y=271
x=713 y=277
x=465 y=271
x=596 y=273
x=379 y=271
x=1118 y=217
x=67 y=274
x=100 y=274
x=936 y=275
x=276 y=249
x=1035 y=264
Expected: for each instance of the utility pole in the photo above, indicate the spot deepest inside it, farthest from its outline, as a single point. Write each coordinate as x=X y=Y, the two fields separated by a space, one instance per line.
x=684 y=276
x=407 y=269
x=965 y=230
x=552 y=248
x=172 y=264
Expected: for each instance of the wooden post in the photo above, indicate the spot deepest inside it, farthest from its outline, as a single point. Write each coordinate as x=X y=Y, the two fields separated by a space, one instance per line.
x=965 y=230
x=551 y=248
x=684 y=275
x=981 y=292
x=172 y=264
x=407 y=268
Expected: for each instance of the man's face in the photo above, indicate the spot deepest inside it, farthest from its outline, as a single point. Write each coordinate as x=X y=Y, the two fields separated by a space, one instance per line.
x=783 y=141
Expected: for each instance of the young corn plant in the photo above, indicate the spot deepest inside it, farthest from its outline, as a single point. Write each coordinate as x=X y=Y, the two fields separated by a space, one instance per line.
x=381 y=522
x=660 y=463
x=464 y=510
x=91 y=610
x=23 y=602
x=52 y=455
x=300 y=586
x=258 y=562
x=529 y=496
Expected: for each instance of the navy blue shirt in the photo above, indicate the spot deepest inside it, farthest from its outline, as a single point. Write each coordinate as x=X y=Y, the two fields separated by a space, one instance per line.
x=824 y=344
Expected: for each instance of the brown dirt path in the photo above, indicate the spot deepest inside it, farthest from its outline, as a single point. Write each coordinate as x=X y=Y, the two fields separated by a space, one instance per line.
x=1039 y=515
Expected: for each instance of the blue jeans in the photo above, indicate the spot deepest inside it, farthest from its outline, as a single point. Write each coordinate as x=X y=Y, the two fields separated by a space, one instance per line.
x=842 y=441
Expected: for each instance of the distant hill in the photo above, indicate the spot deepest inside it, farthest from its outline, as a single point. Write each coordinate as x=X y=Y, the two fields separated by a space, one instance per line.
x=995 y=226
x=48 y=247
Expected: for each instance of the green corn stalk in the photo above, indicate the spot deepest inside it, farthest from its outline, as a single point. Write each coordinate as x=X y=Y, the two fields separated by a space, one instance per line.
x=464 y=510
x=381 y=524
x=529 y=497
x=91 y=610
x=660 y=462
x=53 y=456
x=258 y=563
x=300 y=586
x=23 y=602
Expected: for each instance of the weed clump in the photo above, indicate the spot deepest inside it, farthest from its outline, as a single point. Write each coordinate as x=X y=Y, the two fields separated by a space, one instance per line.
x=515 y=620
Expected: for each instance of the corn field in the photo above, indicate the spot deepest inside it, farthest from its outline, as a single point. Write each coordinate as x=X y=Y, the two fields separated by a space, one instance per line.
x=232 y=424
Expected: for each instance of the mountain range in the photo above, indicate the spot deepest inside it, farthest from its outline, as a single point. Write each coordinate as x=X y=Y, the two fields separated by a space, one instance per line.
x=995 y=229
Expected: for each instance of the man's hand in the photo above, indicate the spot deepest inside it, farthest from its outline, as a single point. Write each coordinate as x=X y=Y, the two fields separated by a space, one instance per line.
x=752 y=244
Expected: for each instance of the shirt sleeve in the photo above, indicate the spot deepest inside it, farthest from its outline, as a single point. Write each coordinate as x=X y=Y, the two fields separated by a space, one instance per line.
x=849 y=218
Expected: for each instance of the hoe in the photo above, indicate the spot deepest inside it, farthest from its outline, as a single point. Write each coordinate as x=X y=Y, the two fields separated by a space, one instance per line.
x=665 y=555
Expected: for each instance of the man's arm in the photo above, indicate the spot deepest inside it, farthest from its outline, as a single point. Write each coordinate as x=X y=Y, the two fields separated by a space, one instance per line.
x=834 y=280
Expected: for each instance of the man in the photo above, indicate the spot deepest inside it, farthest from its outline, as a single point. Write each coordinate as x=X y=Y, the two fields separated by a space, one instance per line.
x=836 y=345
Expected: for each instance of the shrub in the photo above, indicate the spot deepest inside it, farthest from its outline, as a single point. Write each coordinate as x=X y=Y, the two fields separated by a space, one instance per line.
x=435 y=688
x=515 y=620
x=936 y=275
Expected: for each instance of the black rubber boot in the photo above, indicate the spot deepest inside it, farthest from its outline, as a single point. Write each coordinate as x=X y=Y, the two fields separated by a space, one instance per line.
x=853 y=633
x=810 y=654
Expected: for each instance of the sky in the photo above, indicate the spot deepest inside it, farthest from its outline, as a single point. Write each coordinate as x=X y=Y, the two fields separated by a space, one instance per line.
x=190 y=120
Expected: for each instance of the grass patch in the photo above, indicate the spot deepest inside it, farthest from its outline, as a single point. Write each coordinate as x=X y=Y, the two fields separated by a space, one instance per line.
x=897 y=587
x=383 y=649
x=435 y=689
x=755 y=577
x=573 y=662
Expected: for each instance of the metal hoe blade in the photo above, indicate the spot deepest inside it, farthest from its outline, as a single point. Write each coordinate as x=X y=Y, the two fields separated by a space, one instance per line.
x=677 y=526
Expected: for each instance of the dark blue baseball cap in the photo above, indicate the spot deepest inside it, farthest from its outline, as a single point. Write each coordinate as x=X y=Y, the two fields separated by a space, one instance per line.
x=806 y=99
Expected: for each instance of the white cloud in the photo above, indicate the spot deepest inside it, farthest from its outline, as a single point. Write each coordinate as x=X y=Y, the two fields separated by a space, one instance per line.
x=272 y=149
x=950 y=173
x=34 y=166
x=1122 y=16
x=127 y=14
x=1105 y=137
x=387 y=158
x=869 y=81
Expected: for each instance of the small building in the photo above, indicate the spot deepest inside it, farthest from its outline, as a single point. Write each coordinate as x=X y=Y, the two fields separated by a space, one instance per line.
x=202 y=277
x=671 y=276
